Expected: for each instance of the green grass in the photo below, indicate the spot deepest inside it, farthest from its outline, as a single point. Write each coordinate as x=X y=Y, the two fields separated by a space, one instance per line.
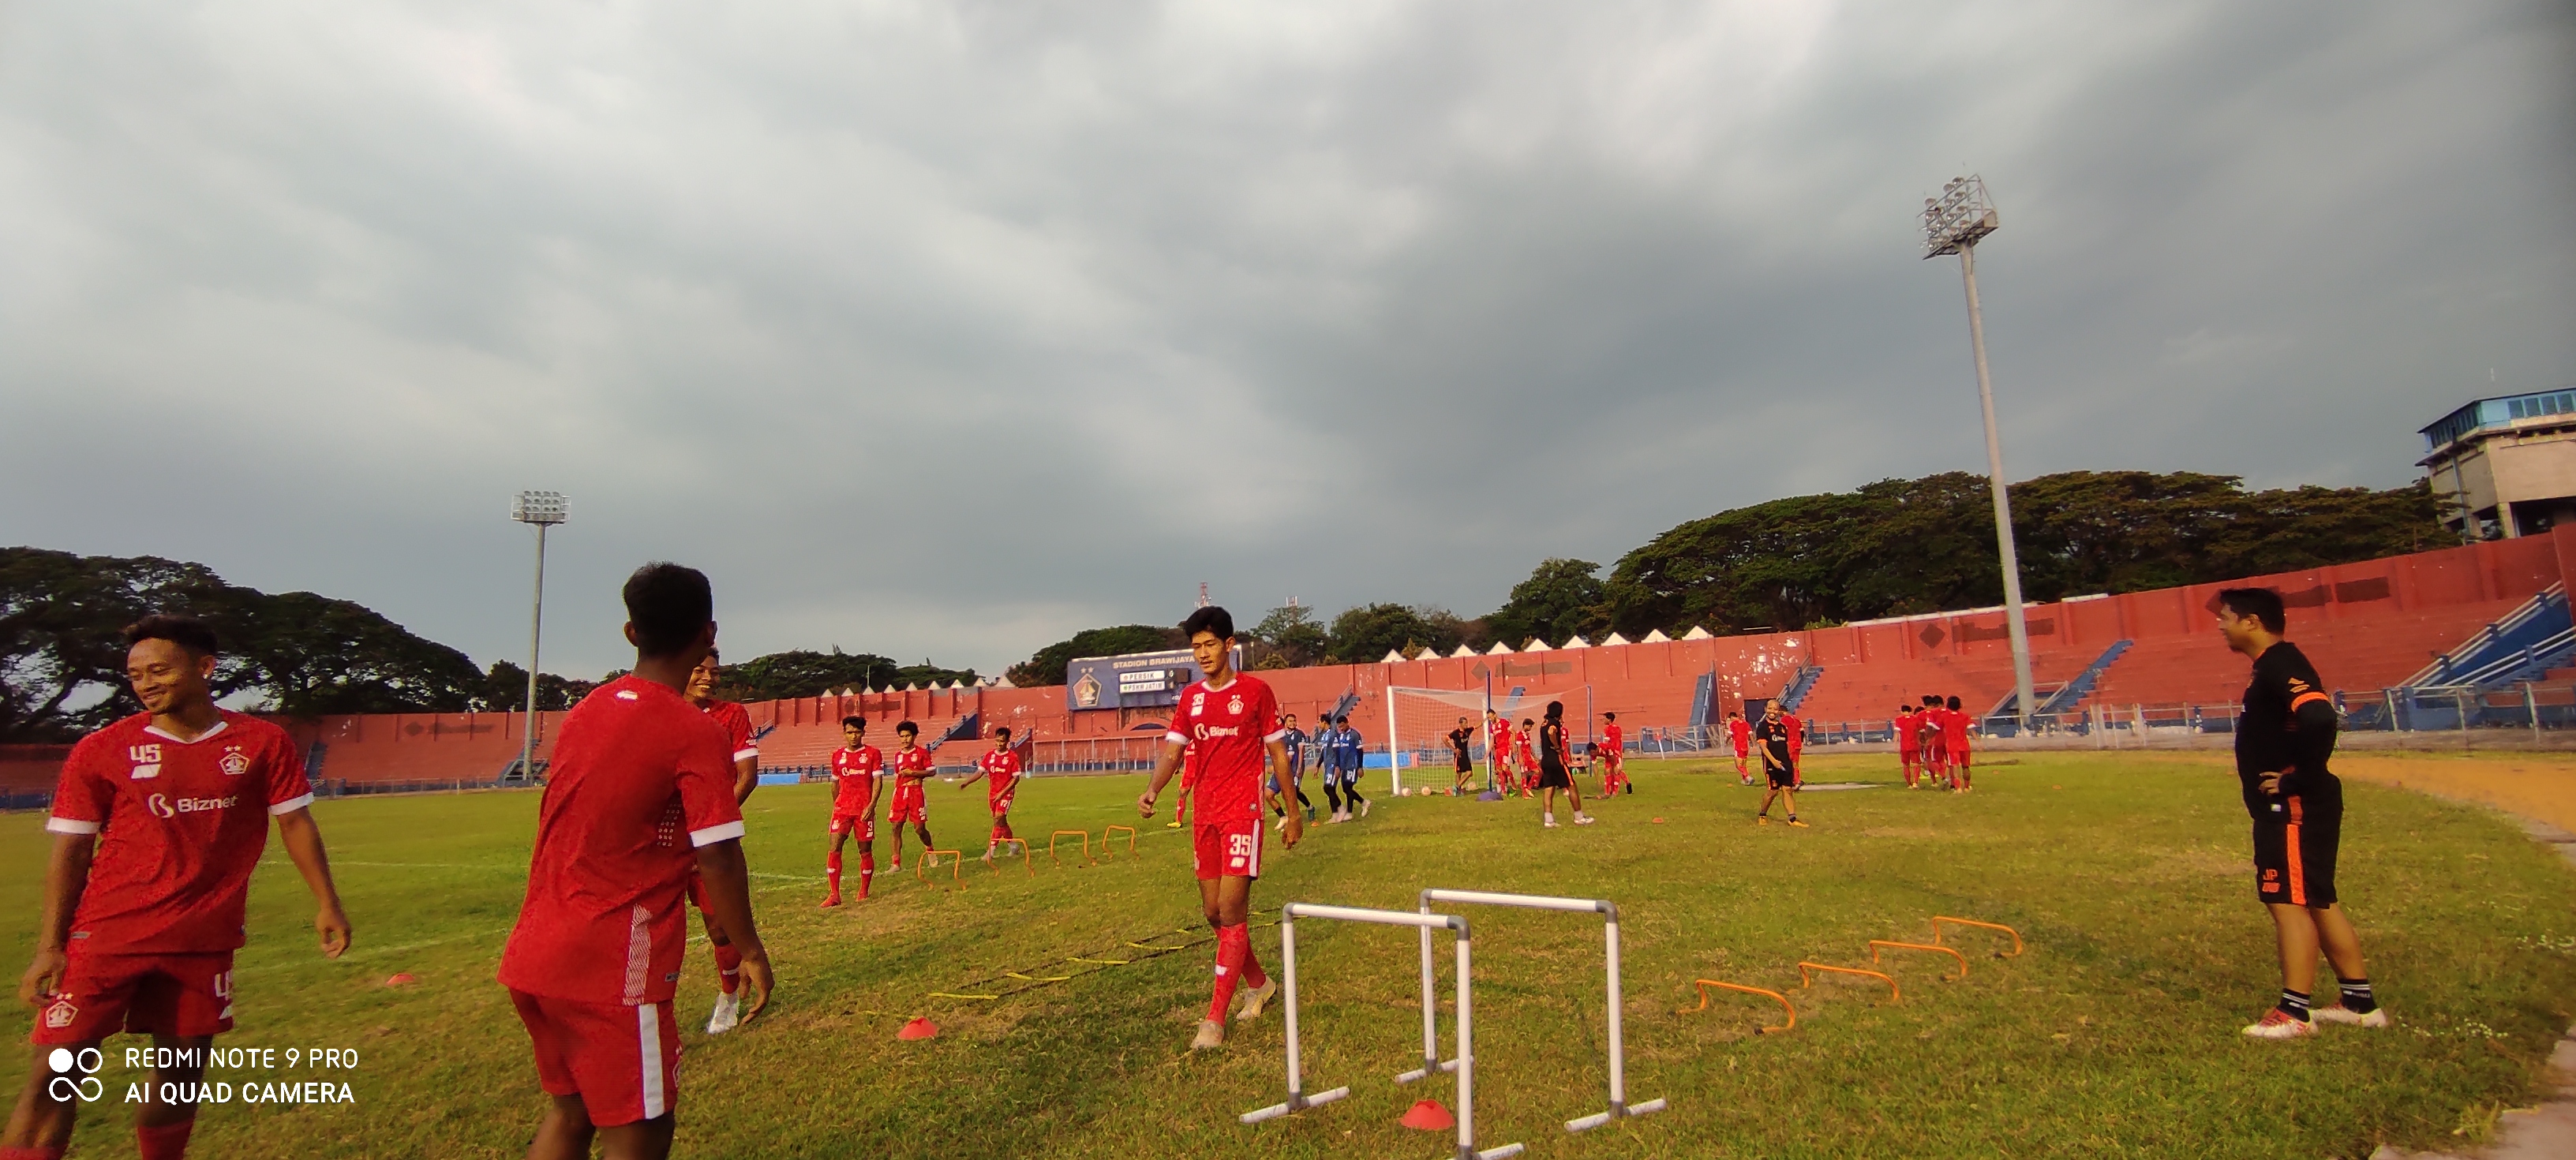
x=2114 y=1036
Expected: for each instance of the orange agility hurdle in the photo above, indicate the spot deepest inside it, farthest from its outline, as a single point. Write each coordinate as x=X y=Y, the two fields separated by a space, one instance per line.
x=1876 y=943
x=929 y=856
x=1806 y=978
x=1938 y=919
x=1104 y=839
x=1774 y=996
x=1084 y=835
x=1025 y=863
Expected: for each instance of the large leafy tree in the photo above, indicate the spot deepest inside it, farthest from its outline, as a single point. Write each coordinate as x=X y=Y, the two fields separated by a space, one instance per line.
x=1046 y=666
x=1922 y=545
x=62 y=660
x=1367 y=633
x=804 y=673
x=1560 y=599
x=1289 y=637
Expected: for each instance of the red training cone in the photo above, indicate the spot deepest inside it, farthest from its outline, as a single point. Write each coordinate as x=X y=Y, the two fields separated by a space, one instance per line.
x=918 y=1029
x=404 y=979
x=1429 y=1116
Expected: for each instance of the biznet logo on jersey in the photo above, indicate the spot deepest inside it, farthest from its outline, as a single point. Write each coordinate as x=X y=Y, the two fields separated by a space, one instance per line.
x=165 y=808
x=1207 y=731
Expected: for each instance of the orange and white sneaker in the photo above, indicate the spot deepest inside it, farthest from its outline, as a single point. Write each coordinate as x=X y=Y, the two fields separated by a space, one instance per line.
x=2376 y=1017
x=2279 y=1024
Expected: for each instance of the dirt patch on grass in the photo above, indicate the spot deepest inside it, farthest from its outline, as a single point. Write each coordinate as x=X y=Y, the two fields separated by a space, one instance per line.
x=2537 y=785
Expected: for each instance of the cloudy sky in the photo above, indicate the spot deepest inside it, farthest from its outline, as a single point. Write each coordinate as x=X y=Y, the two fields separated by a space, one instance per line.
x=947 y=329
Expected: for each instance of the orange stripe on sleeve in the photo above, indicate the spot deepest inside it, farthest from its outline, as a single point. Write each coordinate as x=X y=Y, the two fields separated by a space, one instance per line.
x=2304 y=698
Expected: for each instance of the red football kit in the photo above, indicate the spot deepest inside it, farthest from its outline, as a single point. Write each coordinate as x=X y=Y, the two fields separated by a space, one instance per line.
x=640 y=780
x=1740 y=732
x=855 y=772
x=1908 y=743
x=180 y=826
x=910 y=804
x=736 y=722
x=1954 y=735
x=1229 y=729
x=1001 y=779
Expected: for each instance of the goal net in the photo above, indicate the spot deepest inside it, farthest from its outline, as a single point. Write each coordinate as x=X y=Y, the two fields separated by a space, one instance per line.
x=1423 y=718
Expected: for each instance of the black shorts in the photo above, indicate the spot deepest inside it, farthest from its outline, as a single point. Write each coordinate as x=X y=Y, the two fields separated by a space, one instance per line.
x=1552 y=776
x=2294 y=852
x=1781 y=777
x=1464 y=765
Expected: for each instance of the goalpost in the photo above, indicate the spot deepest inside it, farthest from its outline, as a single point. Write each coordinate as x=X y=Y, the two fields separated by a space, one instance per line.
x=1422 y=719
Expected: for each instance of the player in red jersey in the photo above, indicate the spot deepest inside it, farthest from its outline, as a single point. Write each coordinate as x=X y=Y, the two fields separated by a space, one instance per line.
x=911 y=765
x=1614 y=756
x=1498 y=751
x=1909 y=747
x=1527 y=757
x=1935 y=740
x=1797 y=745
x=1954 y=735
x=857 y=775
x=158 y=821
x=639 y=800
x=1233 y=721
x=736 y=723
x=1740 y=733
x=999 y=770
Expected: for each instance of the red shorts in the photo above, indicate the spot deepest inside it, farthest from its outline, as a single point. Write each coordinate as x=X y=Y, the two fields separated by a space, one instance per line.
x=1959 y=753
x=624 y=1062
x=1227 y=849
x=1001 y=805
x=150 y=994
x=1742 y=751
x=910 y=804
x=860 y=825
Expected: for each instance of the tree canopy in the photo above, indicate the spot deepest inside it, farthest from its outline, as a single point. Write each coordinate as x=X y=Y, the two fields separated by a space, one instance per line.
x=1046 y=666
x=803 y=673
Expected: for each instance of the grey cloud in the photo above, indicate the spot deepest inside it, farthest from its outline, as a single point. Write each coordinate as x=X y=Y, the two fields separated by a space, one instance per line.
x=946 y=330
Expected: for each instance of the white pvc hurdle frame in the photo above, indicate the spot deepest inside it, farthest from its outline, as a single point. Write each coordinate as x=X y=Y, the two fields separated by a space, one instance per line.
x=1619 y=1105
x=1464 y=1065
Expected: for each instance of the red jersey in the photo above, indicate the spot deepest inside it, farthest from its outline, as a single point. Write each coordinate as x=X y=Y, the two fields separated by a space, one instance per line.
x=736 y=721
x=912 y=764
x=1001 y=773
x=1500 y=741
x=1612 y=740
x=1797 y=733
x=1954 y=728
x=640 y=780
x=1740 y=731
x=1907 y=740
x=855 y=772
x=1230 y=728
x=181 y=824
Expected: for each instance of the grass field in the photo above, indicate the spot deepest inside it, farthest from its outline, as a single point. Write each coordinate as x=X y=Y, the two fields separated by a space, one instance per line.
x=2114 y=1036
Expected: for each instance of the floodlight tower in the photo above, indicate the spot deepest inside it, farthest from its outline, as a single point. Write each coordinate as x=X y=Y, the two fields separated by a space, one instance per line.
x=1953 y=223
x=541 y=510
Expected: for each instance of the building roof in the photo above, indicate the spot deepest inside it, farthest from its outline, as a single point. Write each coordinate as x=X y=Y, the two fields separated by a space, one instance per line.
x=2499 y=411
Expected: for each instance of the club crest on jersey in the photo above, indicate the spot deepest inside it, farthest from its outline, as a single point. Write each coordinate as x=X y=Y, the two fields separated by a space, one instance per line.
x=234 y=762
x=1235 y=706
x=61 y=1014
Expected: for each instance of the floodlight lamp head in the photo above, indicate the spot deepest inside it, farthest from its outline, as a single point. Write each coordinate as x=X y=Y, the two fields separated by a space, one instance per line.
x=1959 y=217
x=538 y=507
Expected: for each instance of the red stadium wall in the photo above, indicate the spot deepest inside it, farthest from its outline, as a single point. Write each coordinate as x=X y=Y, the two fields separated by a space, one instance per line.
x=2367 y=626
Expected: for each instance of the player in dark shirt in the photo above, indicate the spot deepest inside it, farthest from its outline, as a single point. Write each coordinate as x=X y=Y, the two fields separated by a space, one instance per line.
x=1771 y=736
x=2283 y=741
x=1462 y=741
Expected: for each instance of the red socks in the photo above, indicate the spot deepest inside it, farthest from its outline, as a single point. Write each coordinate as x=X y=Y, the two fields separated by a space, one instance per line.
x=168 y=1142
x=1233 y=962
x=728 y=967
x=31 y=1153
x=867 y=870
x=832 y=871
x=1002 y=829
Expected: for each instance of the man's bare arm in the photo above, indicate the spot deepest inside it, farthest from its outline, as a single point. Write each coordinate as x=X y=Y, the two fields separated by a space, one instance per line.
x=66 y=875
x=728 y=882
x=1169 y=764
x=304 y=845
x=746 y=778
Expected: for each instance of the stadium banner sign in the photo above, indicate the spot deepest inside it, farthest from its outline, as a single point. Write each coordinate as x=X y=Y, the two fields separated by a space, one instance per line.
x=1132 y=680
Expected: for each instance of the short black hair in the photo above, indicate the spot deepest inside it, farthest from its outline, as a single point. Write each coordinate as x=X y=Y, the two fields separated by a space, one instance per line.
x=669 y=605
x=1212 y=619
x=908 y=727
x=1556 y=710
x=1004 y=732
x=2262 y=604
x=1931 y=699
x=860 y=722
x=1954 y=704
x=185 y=631
x=1609 y=716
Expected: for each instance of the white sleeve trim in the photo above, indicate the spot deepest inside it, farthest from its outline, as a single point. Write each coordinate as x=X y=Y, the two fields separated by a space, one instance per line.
x=1177 y=737
x=291 y=805
x=1278 y=736
x=746 y=751
x=714 y=834
x=70 y=826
